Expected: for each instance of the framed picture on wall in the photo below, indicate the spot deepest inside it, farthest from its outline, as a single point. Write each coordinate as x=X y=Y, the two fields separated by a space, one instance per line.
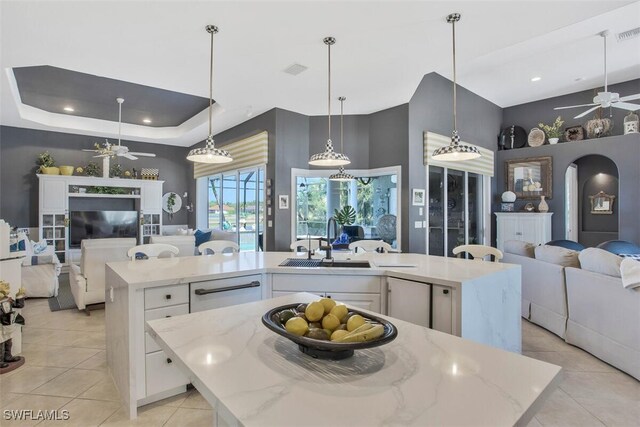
x=530 y=178
x=418 y=196
x=602 y=203
x=283 y=201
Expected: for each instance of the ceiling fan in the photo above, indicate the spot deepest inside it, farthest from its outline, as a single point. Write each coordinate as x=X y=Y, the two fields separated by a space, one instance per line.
x=606 y=99
x=110 y=150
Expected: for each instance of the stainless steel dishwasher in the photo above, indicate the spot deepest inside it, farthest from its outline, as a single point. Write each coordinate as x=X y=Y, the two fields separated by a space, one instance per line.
x=218 y=293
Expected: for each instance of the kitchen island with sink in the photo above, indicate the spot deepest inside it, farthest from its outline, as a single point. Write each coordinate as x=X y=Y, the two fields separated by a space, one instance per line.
x=253 y=377
x=479 y=301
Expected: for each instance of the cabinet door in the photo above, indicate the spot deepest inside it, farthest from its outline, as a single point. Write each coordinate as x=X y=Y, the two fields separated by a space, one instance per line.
x=53 y=196
x=151 y=197
x=409 y=301
x=369 y=302
x=442 y=309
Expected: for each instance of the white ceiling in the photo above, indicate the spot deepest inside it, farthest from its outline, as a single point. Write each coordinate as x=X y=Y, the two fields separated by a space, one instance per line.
x=383 y=49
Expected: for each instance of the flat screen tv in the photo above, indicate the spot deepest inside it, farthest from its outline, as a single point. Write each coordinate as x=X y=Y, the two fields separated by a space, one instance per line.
x=101 y=225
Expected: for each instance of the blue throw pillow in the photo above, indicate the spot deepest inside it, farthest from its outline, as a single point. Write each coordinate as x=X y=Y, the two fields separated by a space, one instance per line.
x=202 y=237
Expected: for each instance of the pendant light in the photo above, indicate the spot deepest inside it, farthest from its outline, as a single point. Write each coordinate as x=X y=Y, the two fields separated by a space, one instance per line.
x=329 y=157
x=455 y=151
x=209 y=153
x=341 y=175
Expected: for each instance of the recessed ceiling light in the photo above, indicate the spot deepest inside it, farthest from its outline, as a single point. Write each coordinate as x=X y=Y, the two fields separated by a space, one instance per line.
x=536 y=79
x=69 y=109
x=146 y=121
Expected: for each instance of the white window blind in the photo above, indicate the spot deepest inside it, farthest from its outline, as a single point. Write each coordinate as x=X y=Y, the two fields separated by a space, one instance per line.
x=483 y=165
x=251 y=151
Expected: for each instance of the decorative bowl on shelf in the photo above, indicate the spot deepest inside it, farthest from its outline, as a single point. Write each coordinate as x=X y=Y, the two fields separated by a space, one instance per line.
x=325 y=349
x=536 y=137
x=66 y=170
x=50 y=170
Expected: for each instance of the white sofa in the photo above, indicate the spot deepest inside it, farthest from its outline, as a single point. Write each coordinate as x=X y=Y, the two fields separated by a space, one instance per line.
x=88 y=279
x=40 y=279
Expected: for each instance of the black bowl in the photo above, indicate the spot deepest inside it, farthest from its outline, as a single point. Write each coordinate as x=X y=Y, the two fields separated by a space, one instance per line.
x=320 y=349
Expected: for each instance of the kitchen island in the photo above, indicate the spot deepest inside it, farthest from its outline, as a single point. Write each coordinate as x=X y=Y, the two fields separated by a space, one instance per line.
x=254 y=377
x=476 y=300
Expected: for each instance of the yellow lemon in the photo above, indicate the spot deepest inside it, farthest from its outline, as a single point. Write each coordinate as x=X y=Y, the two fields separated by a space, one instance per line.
x=330 y=322
x=355 y=322
x=328 y=304
x=314 y=311
x=336 y=335
x=296 y=326
x=340 y=311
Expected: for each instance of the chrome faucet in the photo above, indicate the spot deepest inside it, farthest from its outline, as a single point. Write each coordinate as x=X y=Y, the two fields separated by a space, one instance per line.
x=329 y=246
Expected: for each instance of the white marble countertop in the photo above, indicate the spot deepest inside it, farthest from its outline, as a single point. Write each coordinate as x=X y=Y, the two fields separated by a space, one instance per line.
x=165 y=271
x=424 y=377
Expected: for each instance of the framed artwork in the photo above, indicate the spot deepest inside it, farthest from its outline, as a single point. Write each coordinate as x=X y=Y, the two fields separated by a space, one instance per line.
x=417 y=196
x=529 y=178
x=283 y=201
x=602 y=203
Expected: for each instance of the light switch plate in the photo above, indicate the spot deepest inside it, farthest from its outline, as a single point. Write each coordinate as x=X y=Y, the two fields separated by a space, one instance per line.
x=424 y=224
x=420 y=211
x=418 y=224
x=269 y=223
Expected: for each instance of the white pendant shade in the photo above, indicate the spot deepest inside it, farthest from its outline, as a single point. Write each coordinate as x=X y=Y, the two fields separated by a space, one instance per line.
x=341 y=176
x=209 y=154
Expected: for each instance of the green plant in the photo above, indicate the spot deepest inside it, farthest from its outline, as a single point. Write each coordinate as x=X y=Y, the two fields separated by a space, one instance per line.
x=45 y=160
x=96 y=189
x=345 y=216
x=115 y=171
x=92 y=169
x=171 y=202
x=553 y=130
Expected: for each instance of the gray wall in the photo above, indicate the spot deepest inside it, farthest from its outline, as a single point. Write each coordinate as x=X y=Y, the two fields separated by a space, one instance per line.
x=19 y=149
x=430 y=109
x=595 y=174
x=356 y=138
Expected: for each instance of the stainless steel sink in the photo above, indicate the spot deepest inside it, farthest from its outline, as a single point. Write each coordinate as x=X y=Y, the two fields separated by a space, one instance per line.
x=310 y=263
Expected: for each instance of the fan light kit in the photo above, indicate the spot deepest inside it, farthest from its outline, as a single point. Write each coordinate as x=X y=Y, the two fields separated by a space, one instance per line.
x=147 y=121
x=69 y=109
x=209 y=153
x=341 y=175
x=455 y=151
x=606 y=99
x=329 y=157
x=536 y=79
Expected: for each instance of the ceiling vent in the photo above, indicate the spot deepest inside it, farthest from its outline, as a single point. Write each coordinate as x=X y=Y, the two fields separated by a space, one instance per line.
x=295 y=69
x=628 y=35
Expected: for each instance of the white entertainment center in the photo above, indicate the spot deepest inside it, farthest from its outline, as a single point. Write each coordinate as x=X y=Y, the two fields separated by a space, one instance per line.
x=56 y=194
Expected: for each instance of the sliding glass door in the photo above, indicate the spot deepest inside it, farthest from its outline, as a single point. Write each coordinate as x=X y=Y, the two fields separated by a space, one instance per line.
x=456 y=209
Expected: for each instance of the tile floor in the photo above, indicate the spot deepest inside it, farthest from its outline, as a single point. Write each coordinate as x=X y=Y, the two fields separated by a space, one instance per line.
x=66 y=369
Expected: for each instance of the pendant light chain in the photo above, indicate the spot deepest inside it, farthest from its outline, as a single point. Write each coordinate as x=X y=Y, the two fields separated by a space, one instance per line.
x=342 y=98
x=329 y=88
x=119 y=120
x=455 y=94
x=211 y=84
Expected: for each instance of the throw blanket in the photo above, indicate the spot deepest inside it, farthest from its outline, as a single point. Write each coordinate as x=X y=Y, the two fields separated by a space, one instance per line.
x=630 y=272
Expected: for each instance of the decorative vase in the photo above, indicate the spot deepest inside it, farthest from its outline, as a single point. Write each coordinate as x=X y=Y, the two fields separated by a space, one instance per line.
x=553 y=140
x=597 y=128
x=66 y=170
x=51 y=170
x=543 y=206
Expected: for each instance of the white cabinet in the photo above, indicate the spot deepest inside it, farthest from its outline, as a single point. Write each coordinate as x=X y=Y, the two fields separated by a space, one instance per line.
x=151 y=197
x=442 y=309
x=210 y=294
x=532 y=227
x=409 y=301
x=53 y=195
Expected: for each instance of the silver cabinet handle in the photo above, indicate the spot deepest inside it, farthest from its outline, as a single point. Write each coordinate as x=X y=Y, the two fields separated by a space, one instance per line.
x=253 y=284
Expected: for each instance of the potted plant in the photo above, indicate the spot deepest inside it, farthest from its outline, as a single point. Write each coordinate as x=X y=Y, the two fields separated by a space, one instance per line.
x=171 y=203
x=47 y=164
x=115 y=171
x=92 y=169
x=553 y=131
x=344 y=216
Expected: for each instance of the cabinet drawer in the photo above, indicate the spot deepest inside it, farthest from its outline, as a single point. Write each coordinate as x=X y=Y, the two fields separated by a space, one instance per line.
x=159 y=313
x=442 y=309
x=161 y=373
x=326 y=282
x=166 y=296
x=211 y=294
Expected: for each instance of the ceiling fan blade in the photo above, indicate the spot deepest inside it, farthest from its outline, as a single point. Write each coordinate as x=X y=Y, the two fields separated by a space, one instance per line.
x=102 y=155
x=91 y=151
x=575 y=106
x=587 y=112
x=626 y=106
x=129 y=156
x=142 y=154
x=630 y=97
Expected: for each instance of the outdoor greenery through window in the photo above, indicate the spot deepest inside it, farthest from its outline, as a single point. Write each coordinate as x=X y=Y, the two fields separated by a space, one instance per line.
x=374 y=199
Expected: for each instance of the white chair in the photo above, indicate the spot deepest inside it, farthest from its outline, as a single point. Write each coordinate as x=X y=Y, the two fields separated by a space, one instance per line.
x=369 y=246
x=152 y=250
x=478 y=252
x=186 y=244
x=314 y=243
x=88 y=279
x=218 y=247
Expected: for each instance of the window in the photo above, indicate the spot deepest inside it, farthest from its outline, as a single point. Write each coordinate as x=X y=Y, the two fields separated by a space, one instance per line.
x=235 y=203
x=374 y=196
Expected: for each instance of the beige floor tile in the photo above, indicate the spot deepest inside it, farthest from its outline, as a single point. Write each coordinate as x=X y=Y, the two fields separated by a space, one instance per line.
x=190 y=417
x=148 y=416
x=571 y=360
x=613 y=412
x=174 y=401
x=533 y=330
x=91 y=339
x=31 y=335
x=548 y=342
x=104 y=390
x=534 y=423
x=59 y=357
x=33 y=403
x=599 y=385
x=71 y=384
x=195 y=401
x=27 y=378
x=86 y=413
x=561 y=410
x=97 y=362
x=7 y=397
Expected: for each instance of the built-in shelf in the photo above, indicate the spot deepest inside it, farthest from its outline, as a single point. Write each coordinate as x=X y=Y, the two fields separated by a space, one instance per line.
x=106 y=196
